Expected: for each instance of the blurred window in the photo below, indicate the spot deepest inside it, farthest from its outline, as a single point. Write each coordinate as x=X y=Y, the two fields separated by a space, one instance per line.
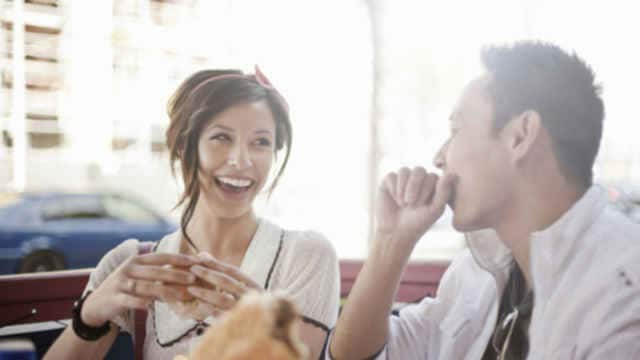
x=367 y=96
x=65 y=208
x=125 y=210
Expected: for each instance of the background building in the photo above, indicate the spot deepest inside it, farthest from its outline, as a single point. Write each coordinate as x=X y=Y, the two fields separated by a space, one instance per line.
x=370 y=85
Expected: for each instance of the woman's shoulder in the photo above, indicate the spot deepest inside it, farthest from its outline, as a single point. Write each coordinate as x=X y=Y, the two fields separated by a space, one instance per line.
x=120 y=253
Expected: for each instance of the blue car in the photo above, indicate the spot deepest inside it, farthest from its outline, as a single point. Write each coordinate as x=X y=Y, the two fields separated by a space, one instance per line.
x=55 y=231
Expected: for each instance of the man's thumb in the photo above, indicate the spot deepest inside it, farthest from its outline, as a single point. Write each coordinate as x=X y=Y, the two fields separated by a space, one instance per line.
x=444 y=190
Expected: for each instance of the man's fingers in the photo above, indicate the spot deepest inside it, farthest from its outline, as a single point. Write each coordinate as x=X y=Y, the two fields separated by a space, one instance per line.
x=388 y=188
x=444 y=190
x=428 y=189
x=414 y=185
x=401 y=184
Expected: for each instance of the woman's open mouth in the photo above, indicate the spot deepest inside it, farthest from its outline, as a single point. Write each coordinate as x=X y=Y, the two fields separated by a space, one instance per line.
x=231 y=185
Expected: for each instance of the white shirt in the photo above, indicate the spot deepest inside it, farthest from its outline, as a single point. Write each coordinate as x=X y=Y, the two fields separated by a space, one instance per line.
x=585 y=271
x=301 y=264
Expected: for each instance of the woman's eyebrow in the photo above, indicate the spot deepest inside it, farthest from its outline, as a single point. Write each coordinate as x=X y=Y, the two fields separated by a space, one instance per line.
x=213 y=126
x=264 y=131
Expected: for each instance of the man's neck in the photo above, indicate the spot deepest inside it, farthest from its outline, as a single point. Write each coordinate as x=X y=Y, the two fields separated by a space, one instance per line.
x=534 y=209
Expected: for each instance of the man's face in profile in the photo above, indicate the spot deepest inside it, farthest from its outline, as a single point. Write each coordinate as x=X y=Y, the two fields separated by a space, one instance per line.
x=477 y=154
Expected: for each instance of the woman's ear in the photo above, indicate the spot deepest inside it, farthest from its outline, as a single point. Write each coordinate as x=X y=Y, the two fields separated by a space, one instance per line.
x=522 y=132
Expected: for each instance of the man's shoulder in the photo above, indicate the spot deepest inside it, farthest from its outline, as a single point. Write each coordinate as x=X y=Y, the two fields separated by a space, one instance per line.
x=614 y=219
x=609 y=255
x=614 y=236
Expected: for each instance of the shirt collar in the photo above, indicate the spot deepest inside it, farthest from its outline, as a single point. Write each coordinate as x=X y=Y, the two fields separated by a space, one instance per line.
x=550 y=248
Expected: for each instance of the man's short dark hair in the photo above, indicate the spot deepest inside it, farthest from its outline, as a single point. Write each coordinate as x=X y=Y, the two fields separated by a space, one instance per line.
x=560 y=87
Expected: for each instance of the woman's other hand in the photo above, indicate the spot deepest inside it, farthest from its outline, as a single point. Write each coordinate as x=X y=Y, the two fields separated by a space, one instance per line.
x=136 y=283
x=225 y=284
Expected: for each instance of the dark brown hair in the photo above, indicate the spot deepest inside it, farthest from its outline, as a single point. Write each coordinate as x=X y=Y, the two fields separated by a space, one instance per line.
x=199 y=99
x=532 y=75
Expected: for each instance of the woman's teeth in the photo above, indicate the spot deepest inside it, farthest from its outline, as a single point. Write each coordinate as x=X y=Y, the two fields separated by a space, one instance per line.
x=236 y=183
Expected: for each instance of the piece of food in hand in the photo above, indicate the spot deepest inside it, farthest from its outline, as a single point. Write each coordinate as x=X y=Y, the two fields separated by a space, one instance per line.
x=189 y=308
x=261 y=326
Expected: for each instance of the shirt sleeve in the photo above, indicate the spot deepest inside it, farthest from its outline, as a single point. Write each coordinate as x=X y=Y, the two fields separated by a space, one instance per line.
x=110 y=262
x=310 y=276
x=415 y=331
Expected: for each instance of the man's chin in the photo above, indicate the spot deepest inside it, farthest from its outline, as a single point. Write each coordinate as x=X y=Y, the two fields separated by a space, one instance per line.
x=461 y=225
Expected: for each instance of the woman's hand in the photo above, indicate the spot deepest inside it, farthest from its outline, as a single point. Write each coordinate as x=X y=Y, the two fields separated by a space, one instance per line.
x=136 y=283
x=225 y=284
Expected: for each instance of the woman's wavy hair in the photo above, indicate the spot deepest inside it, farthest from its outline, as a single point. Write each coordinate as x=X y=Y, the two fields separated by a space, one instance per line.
x=194 y=104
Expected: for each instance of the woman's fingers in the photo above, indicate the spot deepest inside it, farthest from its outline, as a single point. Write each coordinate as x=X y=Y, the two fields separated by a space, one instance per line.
x=219 y=300
x=132 y=302
x=231 y=271
x=154 y=290
x=161 y=273
x=220 y=281
x=208 y=308
x=160 y=259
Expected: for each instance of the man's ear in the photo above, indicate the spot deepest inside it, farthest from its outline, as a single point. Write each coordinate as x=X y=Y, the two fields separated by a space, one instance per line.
x=521 y=134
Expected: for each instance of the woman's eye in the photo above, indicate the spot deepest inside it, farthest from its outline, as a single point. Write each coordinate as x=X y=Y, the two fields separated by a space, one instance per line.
x=263 y=142
x=220 y=137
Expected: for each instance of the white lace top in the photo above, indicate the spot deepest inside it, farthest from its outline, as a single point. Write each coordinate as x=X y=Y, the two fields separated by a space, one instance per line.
x=302 y=264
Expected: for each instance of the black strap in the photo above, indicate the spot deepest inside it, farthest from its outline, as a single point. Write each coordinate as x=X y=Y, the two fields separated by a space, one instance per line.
x=81 y=329
x=275 y=260
x=316 y=323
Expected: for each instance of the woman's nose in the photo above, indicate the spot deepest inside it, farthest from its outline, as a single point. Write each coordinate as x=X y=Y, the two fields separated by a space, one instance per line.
x=240 y=157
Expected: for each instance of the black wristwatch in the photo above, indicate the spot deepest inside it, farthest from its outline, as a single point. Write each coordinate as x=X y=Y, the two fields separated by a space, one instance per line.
x=83 y=330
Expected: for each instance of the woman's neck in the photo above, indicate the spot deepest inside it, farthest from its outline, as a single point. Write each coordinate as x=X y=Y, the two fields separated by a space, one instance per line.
x=226 y=239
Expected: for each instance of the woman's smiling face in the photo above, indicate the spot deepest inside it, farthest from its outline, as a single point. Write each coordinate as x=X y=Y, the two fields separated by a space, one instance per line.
x=235 y=153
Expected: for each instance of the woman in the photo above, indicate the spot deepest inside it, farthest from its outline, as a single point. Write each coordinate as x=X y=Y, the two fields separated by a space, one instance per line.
x=226 y=129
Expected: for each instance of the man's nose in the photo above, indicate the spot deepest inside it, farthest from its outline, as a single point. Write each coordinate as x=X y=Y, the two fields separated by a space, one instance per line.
x=439 y=159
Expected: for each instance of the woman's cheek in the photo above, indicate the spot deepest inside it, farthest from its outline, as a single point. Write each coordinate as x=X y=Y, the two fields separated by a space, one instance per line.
x=263 y=164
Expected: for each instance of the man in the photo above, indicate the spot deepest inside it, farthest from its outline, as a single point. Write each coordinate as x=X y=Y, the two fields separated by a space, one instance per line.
x=551 y=271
